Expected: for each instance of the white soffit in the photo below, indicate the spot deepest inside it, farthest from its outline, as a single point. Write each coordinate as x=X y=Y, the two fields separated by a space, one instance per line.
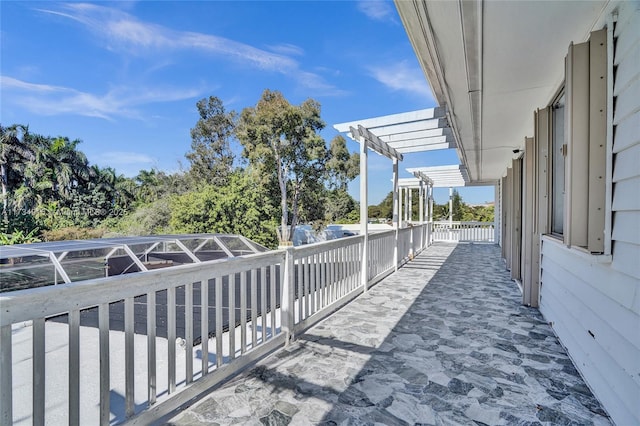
x=415 y=131
x=493 y=63
x=443 y=176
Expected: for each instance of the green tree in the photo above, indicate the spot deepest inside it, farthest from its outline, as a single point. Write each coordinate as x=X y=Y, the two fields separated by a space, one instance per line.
x=458 y=206
x=342 y=166
x=281 y=143
x=14 y=152
x=210 y=156
x=240 y=207
x=339 y=205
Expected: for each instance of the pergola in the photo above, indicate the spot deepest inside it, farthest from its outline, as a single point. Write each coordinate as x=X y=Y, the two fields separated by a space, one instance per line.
x=394 y=135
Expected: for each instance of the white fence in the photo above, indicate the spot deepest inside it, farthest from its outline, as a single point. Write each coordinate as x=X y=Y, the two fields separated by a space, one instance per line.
x=135 y=347
x=463 y=231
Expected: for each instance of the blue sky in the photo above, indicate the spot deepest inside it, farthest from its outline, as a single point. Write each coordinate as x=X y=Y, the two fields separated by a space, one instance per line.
x=124 y=77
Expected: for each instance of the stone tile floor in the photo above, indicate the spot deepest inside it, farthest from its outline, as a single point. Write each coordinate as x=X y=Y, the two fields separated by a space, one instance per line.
x=444 y=341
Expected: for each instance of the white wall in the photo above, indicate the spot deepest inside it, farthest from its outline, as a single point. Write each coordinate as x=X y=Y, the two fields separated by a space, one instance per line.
x=594 y=306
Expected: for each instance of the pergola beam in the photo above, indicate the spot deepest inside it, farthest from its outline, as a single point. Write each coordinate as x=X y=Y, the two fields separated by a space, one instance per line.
x=420 y=134
x=395 y=119
x=363 y=135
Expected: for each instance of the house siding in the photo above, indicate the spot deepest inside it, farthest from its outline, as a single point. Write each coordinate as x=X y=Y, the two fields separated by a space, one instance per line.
x=594 y=306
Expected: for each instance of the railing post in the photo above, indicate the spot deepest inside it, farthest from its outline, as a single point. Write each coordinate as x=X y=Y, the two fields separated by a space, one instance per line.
x=411 y=251
x=288 y=295
x=364 y=215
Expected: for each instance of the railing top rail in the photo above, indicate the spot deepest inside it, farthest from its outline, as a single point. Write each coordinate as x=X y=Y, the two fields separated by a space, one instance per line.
x=380 y=235
x=311 y=249
x=446 y=222
x=27 y=304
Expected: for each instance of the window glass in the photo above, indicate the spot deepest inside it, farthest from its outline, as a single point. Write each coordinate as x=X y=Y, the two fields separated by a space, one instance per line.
x=557 y=164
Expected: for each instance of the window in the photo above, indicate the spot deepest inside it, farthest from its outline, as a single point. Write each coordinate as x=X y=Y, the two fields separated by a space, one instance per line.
x=576 y=147
x=558 y=149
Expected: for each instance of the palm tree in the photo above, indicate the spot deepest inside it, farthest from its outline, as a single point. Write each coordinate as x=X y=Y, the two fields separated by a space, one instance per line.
x=14 y=152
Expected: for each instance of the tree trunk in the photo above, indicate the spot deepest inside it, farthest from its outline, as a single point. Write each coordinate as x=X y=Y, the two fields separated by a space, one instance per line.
x=3 y=177
x=285 y=236
x=294 y=207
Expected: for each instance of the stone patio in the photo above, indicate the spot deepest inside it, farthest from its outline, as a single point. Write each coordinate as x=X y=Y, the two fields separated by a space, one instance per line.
x=444 y=340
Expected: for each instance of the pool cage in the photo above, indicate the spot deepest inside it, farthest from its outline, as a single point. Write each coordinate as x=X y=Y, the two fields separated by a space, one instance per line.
x=50 y=263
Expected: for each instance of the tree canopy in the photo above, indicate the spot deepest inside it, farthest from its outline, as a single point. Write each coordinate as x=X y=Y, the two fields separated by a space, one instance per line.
x=461 y=211
x=287 y=174
x=283 y=146
x=211 y=157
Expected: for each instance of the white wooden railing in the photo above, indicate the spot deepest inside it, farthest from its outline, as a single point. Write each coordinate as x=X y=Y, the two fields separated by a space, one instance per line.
x=463 y=231
x=242 y=309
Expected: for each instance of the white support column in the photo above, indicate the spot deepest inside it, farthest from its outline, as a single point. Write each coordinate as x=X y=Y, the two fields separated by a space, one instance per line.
x=400 y=201
x=364 y=217
x=396 y=211
x=421 y=215
x=450 y=206
x=410 y=209
x=407 y=207
x=497 y=213
x=421 y=203
x=431 y=202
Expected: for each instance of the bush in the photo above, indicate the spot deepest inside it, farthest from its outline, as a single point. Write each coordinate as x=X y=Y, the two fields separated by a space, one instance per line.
x=72 y=233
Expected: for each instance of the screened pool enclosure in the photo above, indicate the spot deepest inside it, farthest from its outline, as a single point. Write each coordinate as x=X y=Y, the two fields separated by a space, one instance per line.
x=41 y=264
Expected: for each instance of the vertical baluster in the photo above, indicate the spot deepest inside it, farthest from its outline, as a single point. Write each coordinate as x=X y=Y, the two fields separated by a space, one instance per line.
x=74 y=367
x=188 y=331
x=352 y=255
x=334 y=275
x=273 y=297
x=243 y=312
x=232 y=316
x=338 y=272
x=254 y=308
x=263 y=303
x=300 y=283
x=306 y=285
x=327 y=280
x=347 y=270
x=318 y=269
x=6 y=365
x=38 y=373
x=152 y=389
x=312 y=284
x=105 y=383
x=218 y=301
x=171 y=338
x=129 y=357
x=324 y=279
x=350 y=268
x=204 y=325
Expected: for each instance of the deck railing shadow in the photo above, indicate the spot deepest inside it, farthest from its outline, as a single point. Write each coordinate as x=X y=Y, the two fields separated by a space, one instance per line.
x=464 y=351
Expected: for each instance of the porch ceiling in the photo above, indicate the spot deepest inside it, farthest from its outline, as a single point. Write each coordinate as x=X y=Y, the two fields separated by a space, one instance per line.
x=493 y=63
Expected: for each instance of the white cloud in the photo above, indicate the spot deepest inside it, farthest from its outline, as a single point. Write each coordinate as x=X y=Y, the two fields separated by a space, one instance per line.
x=377 y=10
x=287 y=49
x=402 y=77
x=121 y=101
x=124 y=32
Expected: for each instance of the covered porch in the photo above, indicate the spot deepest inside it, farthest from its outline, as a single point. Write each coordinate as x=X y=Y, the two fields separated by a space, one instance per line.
x=445 y=340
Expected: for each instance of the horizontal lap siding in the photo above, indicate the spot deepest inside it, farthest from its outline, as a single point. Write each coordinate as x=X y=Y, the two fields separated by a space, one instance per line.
x=580 y=295
x=626 y=145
